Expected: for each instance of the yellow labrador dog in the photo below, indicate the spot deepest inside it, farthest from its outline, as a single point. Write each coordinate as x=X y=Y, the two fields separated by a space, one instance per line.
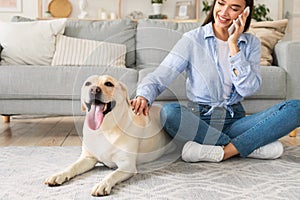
x=114 y=135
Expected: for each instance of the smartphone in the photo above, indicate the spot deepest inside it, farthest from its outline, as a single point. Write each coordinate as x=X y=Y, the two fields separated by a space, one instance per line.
x=231 y=29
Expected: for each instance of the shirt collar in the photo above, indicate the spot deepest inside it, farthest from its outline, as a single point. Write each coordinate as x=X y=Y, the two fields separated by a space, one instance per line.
x=208 y=32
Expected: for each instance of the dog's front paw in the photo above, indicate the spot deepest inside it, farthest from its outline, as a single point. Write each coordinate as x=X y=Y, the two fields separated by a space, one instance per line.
x=57 y=179
x=104 y=188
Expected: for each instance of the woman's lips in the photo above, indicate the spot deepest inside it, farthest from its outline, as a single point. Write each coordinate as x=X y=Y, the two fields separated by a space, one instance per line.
x=223 y=20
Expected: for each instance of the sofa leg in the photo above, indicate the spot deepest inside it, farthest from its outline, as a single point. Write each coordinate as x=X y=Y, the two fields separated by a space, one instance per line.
x=293 y=133
x=6 y=118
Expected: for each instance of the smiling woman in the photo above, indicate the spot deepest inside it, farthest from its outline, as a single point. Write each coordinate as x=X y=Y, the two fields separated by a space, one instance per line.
x=222 y=69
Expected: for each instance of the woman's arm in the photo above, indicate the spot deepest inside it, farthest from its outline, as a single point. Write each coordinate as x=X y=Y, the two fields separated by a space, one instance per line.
x=157 y=81
x=245 y=67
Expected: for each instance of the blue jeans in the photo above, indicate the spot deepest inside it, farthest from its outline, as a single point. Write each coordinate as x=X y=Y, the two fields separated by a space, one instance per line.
x=246 y=133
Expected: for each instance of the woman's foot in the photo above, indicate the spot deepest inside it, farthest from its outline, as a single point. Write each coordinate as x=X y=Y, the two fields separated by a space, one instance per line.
x=270 y=151
x=195 y=152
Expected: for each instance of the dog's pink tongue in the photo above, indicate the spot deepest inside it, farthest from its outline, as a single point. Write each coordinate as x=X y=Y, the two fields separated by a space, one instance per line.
x=95 y=117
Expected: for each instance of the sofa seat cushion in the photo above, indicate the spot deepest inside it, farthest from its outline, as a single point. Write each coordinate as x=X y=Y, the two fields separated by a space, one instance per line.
x=273 y=85
x=55 y=82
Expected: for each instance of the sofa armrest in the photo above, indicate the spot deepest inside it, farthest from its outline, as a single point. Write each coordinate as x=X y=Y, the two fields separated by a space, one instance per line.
x=287 y=57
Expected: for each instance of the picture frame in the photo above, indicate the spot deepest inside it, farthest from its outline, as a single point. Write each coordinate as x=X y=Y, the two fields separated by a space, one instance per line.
x=184 y=10
x=10 y=5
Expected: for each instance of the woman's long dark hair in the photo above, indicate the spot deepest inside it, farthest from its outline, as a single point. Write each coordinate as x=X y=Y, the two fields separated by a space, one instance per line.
x=210 y=16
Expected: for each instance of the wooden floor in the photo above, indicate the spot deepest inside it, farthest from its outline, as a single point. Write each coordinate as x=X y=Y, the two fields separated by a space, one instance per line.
x=41 y=131
x=58 y=131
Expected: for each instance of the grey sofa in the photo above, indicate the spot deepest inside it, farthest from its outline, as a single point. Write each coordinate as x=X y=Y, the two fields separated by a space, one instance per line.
x=55 y=90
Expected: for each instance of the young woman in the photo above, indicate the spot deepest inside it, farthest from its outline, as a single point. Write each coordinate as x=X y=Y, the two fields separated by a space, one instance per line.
x=221 y=70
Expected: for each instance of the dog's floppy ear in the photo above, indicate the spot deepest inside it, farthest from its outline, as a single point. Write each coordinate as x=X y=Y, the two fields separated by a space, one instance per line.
x=124 y=89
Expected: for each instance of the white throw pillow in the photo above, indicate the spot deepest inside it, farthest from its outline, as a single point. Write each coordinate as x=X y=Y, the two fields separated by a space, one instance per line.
x=79 y=52
x=30 y=43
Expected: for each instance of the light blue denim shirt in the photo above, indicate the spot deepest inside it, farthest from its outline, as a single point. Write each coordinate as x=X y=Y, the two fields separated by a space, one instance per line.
x=196 y=53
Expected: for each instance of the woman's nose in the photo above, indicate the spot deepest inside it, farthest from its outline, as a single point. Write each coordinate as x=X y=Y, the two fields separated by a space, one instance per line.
x=224 y=11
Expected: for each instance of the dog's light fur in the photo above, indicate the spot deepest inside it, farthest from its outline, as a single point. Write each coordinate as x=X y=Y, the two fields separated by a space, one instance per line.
x=123 y=140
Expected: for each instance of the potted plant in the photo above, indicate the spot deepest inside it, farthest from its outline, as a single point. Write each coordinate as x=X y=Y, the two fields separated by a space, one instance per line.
x=48 y=14
x=206 y=6
x=157 y=6
x=261 y=13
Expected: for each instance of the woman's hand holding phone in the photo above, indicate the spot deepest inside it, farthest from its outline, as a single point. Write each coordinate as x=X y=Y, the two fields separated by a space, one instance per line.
x=235 y=30
x=231 y=29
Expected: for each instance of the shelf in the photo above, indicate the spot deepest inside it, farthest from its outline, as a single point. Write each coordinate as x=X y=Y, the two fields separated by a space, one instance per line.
x=119 y=14
x=94 y=19
x=197 y=14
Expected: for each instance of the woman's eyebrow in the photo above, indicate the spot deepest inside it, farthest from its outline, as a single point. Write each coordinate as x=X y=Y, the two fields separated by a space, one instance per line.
x=232 y=5
x=236 y=5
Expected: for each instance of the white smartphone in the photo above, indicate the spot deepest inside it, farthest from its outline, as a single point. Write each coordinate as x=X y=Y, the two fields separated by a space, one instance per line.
x=231 y=29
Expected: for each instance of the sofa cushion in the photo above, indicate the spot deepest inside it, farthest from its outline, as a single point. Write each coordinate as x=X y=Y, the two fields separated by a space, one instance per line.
x=115 y=31
x=273 y=85
x=269 y=33
x=156 y=38
x=153 y=47
x=30 y=43
x=81 y=52
x=55 y=82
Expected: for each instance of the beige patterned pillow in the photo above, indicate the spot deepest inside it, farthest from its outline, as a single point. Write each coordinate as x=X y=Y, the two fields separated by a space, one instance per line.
x=81 y=52
x=269 y=33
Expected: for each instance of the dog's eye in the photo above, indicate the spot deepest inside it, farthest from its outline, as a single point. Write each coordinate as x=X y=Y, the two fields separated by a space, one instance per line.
x=88 y=83
x=109 y=84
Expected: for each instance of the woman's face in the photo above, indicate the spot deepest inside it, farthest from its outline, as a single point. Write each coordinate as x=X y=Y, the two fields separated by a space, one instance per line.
x=225 y=11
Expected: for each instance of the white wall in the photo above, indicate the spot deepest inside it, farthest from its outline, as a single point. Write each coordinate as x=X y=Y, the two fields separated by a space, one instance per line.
x=30 y=8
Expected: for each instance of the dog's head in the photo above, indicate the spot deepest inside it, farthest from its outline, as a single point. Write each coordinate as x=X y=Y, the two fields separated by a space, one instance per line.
x=100 y=95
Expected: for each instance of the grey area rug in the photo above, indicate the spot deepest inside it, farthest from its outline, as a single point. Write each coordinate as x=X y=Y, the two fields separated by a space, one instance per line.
x=23 y=170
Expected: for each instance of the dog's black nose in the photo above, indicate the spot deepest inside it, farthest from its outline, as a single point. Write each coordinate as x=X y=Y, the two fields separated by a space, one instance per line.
x=95 y=90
